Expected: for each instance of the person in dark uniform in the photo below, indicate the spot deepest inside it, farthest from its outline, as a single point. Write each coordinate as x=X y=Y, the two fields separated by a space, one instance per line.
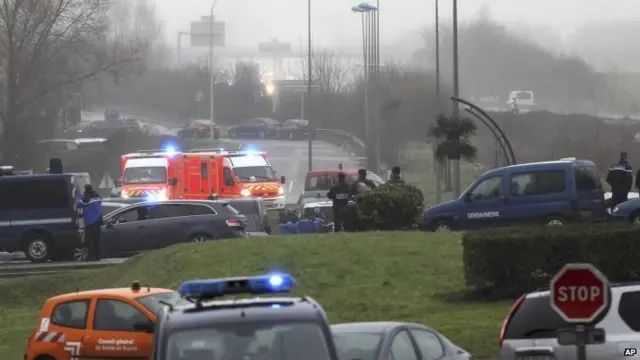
x=362 y=179
x=396 y=177
x=620 y=178
x=91 y=205
x=340 y=195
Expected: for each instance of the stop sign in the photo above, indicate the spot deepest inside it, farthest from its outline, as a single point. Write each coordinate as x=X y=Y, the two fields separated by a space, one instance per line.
x=579 y=293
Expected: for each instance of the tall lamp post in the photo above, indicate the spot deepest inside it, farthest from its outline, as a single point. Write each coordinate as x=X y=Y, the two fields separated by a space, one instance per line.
x=212 y=78
x=436 y=162
x=456 y=93
x=309 y=84
x=370 y=49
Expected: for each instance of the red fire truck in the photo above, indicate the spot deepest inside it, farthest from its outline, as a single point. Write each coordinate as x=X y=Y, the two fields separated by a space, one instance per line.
x=199 y=174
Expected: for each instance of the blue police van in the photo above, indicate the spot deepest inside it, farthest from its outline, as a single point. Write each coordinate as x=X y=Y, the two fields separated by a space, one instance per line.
x=552 y=192
x=38 y=216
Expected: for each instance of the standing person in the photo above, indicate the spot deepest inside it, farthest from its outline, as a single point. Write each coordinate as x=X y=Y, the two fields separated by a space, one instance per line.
x=362 y=179
x=340 y=195
x=620 y=178
x=91 y=205
x=396 y=176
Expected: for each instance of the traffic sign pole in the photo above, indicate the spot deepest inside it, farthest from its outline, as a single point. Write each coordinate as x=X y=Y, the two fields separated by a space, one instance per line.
x=580 y=294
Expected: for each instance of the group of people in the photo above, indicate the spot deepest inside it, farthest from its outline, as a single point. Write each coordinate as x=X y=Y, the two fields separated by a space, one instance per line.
x=342 y=193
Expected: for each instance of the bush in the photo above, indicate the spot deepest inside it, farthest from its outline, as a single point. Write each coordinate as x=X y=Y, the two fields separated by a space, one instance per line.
x=511 y=261
x=391 y=207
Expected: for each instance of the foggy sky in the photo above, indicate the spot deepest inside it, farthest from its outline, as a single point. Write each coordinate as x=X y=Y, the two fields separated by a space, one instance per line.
x=252 y=21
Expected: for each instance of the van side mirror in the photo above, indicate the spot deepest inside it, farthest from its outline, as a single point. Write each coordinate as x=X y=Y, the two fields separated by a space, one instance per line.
x=282 y=179
x=109 y=225
x=146 y=326
x=173 y=182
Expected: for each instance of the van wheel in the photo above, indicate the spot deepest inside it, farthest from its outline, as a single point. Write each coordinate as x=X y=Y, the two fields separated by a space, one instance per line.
x=555 y=221
x=199 y=238
x=37 y=247
x=443 y=226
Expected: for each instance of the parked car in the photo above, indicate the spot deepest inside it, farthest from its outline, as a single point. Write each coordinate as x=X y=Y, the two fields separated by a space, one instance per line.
x=255 y=127
x=255 y=210
x=295 y=129
x=545 y=193
x=104 y=128
x=530 y=329
x=628 y=210
x=199 y=129
x=153 y=225
x=393 y=340
x=318 y=182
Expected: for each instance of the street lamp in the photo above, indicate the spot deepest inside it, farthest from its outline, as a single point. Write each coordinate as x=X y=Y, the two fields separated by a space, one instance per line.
x=310 y=143
x=370 y=50
x=456 y=92
x=212 y=80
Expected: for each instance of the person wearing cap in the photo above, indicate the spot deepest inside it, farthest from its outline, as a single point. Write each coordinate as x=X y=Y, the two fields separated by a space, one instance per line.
x=91 y=205
x=396 y=176
x=620 y=178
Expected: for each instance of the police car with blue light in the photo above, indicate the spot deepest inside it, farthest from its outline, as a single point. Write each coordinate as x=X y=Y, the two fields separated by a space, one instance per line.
x=258 y=328
x=550 y=192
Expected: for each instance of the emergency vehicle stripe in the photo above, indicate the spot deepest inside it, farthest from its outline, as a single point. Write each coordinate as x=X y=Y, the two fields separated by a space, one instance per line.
x=50 y=336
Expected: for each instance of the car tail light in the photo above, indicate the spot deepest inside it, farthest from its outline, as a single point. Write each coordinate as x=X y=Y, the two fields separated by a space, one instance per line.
x=235 y=222
x=507 y=318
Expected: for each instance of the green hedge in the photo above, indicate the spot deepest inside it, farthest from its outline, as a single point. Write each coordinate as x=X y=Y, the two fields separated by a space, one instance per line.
x=511 y=261
x=390 y=207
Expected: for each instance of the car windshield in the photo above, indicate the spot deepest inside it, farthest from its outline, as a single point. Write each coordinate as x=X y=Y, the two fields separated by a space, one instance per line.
x=357 y=345
x=325 y=182
x=254 y=173
x=250 y=340
x=156 y=302
x=145 y=175
x=523 y=95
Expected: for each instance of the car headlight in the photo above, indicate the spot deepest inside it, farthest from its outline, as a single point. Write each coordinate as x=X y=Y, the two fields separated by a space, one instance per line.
x=280 y=191
x=124 y=195
x=245 y=192
x=615 y=209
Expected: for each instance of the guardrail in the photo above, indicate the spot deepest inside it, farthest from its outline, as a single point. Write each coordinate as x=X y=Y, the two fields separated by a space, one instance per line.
x=342 y=138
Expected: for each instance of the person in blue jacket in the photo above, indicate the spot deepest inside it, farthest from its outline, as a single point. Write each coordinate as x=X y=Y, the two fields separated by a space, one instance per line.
x=91 y=205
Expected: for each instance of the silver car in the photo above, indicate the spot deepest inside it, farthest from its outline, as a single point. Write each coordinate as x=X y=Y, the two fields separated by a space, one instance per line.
x=530 y=329
x=393 y=340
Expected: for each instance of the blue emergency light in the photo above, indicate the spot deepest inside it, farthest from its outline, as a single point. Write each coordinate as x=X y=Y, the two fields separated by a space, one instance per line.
x=256 y=285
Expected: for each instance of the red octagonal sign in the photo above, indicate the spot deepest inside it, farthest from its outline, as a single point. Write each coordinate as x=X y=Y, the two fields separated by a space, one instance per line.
x=579 y=293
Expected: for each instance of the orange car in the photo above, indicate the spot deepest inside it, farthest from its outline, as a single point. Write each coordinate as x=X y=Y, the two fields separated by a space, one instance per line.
x=98 y=324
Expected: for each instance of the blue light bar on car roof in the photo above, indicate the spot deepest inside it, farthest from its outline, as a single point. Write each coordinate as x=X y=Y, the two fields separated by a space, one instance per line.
x=256 y=285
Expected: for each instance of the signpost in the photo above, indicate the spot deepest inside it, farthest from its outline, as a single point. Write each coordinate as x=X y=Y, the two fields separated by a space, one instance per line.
x=204 y=33
x=580 y=294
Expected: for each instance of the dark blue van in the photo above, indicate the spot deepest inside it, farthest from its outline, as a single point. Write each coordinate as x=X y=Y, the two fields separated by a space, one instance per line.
x=553 y=193
x=38 y=216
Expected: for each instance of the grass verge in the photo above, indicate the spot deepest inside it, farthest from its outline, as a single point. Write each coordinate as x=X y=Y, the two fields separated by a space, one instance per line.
x=356 y=277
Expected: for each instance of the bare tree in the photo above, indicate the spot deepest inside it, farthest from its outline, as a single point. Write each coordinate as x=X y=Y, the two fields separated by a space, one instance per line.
x=54 y=45
x=328 y=70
